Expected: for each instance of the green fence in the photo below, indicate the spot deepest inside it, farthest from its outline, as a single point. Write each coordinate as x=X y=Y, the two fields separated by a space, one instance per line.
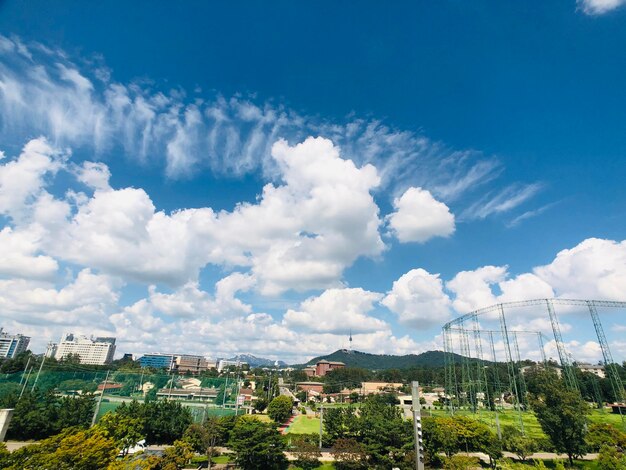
x=123 y=386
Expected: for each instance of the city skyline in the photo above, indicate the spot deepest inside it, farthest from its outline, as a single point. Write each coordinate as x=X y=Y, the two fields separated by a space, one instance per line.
x=280 y=180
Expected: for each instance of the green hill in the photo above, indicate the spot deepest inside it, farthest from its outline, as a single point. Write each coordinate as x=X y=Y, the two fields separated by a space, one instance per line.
x=386 y=361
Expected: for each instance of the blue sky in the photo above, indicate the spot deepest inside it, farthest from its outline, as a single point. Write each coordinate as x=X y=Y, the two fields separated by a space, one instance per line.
x=238 y=178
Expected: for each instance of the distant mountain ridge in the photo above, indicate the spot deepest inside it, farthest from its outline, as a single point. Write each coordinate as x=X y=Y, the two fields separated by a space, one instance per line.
x=385 y=361
x=254 y=361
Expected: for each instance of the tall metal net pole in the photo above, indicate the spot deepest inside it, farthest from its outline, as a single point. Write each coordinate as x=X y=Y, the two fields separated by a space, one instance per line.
x=481 y=377
x=510 y=366
x=468 y=385
x=522 y=380
x=609 y=364
x=568 y=369
x=542 y=350
x=496 y=383
x=449 y=365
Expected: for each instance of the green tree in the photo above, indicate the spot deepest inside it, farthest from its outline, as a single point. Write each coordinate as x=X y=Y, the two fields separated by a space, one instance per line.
x=610 y=459
x=257 y=445
x=349 y=454
x=72 y=449
x=280 y=408
x=305 y=448
x=260 y=404
x=163 y=421
x=176 y=456
x=514 y=441
x=601 y=434
x=386 y=436
x=124 y=430
x=340 y=423
x=562 y=414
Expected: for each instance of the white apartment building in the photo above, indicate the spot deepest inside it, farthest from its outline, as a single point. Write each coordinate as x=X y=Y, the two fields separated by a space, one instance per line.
x=12 y=345
x=90 y=350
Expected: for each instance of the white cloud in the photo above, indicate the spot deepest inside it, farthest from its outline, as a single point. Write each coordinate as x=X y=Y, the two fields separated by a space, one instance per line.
x=418 y=217
x=337 y=311
x=300 y=234
x=599 y=7
x=42 y=91
x=95 y=175
x=472 y=289
x=593 y=269
x=418 y=299
x=86 y=301
x=19 y=257
x=22 y=179
x=503 y=201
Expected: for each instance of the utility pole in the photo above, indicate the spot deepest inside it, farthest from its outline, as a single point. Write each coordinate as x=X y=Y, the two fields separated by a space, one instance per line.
x=417 y=427
x=104 y=387
x=321 y=423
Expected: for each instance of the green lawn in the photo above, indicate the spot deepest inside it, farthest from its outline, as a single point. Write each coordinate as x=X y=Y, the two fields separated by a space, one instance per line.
x=304 y=424
x=531 y=425
x=105 y=407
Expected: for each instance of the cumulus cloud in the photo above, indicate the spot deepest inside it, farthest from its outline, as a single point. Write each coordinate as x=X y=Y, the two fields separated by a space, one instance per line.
x=599 y=7
x=23 y=179
x=301 y=234
x=418 y=217
x=593 y=269
x=418 y=299
x=337 y=311
x=87 y=300
x=19 y=255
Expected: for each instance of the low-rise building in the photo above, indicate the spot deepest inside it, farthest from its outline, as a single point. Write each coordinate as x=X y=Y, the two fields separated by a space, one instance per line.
x=323 y=367
x=12 y=345
x=191 y=394
x=188 y=363
x=157 y=361
x=596 y=370
x=225 y=363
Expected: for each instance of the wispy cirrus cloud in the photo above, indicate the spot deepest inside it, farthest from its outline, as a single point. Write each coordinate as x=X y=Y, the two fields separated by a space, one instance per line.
x=599 y=7
x=502 y=201
x=77 y=103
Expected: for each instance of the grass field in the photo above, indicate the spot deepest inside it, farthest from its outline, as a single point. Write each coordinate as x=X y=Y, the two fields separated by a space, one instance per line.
x=106 y=406
x=304 y=424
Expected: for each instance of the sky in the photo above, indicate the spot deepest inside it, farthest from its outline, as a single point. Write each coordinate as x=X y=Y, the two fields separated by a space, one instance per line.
x=251 y=178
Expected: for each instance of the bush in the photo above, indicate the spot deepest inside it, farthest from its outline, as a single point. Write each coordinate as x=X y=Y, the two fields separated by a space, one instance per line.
x=461 y=462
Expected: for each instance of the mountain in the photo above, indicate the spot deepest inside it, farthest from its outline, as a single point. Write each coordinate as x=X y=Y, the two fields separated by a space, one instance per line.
x=386 y=361
x=254 y=361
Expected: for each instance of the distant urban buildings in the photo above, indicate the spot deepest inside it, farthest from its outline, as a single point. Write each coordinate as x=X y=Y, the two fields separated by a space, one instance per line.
x=12 y=345
x=182 y=363
x=224 y=363
x=321 y=368
x=95 y=351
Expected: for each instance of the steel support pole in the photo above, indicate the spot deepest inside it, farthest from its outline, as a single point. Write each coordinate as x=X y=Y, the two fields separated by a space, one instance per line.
x=417 y=426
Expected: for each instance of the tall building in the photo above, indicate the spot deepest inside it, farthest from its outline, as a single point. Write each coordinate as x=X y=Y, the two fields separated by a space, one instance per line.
x=90 y=350
x=12 y=345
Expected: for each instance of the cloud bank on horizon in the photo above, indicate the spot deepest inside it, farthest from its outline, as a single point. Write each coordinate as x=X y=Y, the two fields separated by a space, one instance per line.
x=72 y=244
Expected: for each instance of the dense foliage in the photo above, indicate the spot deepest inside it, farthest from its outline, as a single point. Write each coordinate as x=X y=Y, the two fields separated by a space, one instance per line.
x=257 y=445
x=280 y=409
x=39 y=415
